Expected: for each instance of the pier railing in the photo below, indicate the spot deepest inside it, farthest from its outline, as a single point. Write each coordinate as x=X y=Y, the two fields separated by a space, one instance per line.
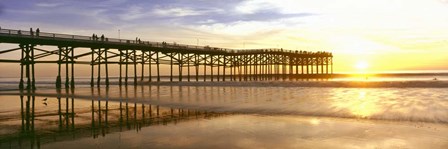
x=34 y=34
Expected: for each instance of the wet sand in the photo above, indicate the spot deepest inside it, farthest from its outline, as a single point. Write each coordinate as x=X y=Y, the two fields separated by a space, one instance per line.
x=261 y=131
x=226 y=117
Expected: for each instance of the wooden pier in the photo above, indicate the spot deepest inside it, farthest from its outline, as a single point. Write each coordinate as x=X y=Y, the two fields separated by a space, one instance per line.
x=218 y=64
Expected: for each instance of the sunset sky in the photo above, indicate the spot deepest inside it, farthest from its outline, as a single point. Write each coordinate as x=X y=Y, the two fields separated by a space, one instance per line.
x=382 y=35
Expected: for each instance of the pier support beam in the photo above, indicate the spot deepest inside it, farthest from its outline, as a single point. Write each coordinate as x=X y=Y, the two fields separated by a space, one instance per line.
x=218 y=61
x=143 y=59
x=27 y=60
x=120 y=63
x=180 y=57
x=66 y=55
x=211 y=67
x=134 y=61
x=224 y=58
x=326 y=65
x=171 y=67
x=234 y=66
x=158 y=66
x=72 y=58
x=205 y=67
x=150 y=65
x=106 y=63
x=196 y=65
x=188 y=66
x=99 y=57
x=126 y=67
x=331 y=63
x=245 y=63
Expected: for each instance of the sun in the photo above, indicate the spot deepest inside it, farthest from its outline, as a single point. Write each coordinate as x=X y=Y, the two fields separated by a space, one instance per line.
x=362 y=65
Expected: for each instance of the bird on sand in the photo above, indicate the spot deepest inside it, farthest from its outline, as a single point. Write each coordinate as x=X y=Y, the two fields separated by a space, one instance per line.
x=44 y=101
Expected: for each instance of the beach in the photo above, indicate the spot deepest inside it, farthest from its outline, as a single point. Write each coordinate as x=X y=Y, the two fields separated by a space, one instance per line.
x=244 y=74
x=264 y=114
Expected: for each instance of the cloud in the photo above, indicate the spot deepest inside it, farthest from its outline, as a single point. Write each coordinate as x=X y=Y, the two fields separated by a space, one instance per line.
x=48 y=5
x=208 y=21
x=280 y=7
x=133 y=12
x=177 y=12
x=254 y=6
x=242 y=28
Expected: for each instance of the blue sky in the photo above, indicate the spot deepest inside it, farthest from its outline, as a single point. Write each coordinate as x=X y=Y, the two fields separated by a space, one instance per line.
x=85 y=13
x=219 y=23
x=356 y=31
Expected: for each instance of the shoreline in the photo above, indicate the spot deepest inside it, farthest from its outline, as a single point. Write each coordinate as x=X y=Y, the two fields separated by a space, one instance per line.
x=278 y=83
x=335 y=84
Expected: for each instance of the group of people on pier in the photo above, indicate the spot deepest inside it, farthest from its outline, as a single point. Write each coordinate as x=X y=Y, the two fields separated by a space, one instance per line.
x=31 y=32
x=95 y=37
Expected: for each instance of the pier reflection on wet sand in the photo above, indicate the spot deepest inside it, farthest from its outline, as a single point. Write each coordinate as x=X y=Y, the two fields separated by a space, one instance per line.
x=41 y=120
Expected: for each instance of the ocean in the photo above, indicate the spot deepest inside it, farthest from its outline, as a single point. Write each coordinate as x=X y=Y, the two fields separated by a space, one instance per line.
x=359 y=111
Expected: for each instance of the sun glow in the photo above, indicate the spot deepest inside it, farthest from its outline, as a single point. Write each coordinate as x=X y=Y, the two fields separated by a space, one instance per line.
x=362 y=65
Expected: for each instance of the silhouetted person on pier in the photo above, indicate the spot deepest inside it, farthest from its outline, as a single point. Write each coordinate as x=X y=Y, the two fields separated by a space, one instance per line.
x=102 y=37
x=93 y=36
x=31 y=32
x=37 y=32
x=139 y=41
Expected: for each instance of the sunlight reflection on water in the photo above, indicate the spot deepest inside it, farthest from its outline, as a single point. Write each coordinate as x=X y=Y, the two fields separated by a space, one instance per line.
x=359 y=106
